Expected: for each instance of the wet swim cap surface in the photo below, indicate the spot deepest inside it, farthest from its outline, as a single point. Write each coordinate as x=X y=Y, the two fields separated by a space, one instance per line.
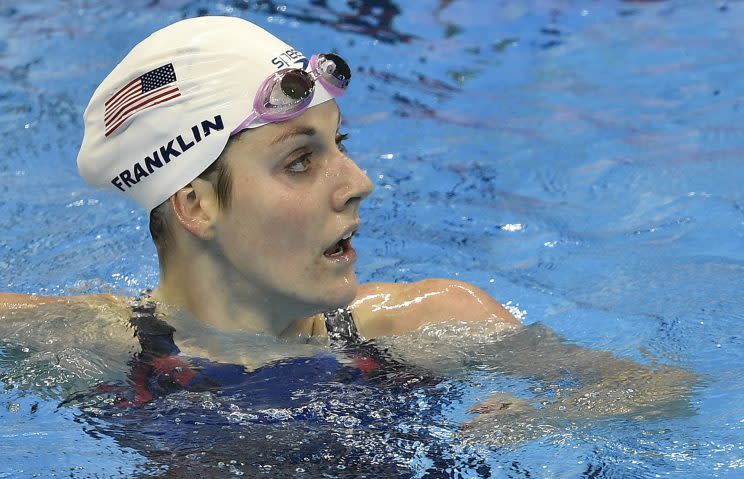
x=165 y=113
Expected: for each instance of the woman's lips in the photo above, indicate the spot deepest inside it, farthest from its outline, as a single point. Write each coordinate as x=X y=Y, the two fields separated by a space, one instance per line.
x=342 y=251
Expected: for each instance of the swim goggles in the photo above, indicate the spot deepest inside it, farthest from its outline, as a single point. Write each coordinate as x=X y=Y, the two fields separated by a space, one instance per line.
x=287 y=93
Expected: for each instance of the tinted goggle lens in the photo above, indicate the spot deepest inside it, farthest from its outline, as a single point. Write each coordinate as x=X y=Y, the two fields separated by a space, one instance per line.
x=333 y=69
x=296 y=84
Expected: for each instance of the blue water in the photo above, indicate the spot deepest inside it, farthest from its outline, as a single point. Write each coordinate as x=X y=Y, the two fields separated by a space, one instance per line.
x=579 y=160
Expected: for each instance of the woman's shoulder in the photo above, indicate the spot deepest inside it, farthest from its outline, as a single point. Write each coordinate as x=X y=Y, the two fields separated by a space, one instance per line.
x=382 y=309
x=10 y=302
x=83 y=319
x=86 y=326
x=18 y=301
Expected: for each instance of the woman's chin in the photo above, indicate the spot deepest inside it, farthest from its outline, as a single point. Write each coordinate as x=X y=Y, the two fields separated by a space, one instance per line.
x=342 y=295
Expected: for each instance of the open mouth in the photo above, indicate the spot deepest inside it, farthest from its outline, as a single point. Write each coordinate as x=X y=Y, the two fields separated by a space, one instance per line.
x=341 y=247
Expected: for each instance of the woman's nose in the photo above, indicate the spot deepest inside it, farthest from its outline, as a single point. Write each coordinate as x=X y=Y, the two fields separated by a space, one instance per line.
x=354 y=186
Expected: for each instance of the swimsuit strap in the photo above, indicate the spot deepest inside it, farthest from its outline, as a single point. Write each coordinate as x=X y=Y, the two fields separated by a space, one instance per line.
x=154 y=335
x=369 y=357
x=341 y=326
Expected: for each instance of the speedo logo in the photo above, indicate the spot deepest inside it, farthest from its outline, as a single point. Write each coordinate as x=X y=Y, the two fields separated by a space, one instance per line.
x=290 y=59
x=166 y=153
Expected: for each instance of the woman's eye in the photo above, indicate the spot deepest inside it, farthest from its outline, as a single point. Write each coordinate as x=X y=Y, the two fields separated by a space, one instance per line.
x=340 y=138
x=300 y=165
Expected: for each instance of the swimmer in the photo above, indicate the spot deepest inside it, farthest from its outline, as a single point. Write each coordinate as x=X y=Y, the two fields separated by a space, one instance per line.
x=232 y=141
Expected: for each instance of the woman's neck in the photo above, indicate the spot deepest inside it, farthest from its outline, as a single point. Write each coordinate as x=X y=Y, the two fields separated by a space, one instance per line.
x=225 y=301
x=196 y=338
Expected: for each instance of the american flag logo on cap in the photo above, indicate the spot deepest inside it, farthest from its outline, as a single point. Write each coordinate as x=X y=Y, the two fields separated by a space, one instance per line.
x=154 y=87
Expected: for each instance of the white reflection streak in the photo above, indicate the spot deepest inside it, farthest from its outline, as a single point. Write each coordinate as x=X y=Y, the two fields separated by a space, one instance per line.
x=386 y=299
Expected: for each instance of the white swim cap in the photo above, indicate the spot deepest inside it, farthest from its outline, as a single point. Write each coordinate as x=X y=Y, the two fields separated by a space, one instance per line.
x=165 y=113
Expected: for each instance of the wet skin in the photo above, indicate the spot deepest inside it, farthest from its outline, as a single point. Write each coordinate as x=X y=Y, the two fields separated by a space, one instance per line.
x=295 y=195
x=280 y=254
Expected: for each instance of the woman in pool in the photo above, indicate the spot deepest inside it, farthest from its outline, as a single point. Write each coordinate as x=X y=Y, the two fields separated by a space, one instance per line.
x=230 y=138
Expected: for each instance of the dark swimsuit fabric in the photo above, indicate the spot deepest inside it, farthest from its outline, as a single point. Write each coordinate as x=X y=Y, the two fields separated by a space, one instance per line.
x=159 y=369
x=289 y=414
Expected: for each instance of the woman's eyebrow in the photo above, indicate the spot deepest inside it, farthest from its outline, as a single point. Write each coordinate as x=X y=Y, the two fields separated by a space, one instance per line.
x=299 y=131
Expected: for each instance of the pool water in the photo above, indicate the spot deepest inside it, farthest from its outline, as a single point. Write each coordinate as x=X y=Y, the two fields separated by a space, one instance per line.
x=581 y=161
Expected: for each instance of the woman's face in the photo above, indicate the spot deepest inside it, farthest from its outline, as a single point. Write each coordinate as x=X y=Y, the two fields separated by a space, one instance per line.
x=295 y=196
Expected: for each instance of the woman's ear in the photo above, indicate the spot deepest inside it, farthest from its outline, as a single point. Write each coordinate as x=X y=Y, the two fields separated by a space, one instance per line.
x=196 y=207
